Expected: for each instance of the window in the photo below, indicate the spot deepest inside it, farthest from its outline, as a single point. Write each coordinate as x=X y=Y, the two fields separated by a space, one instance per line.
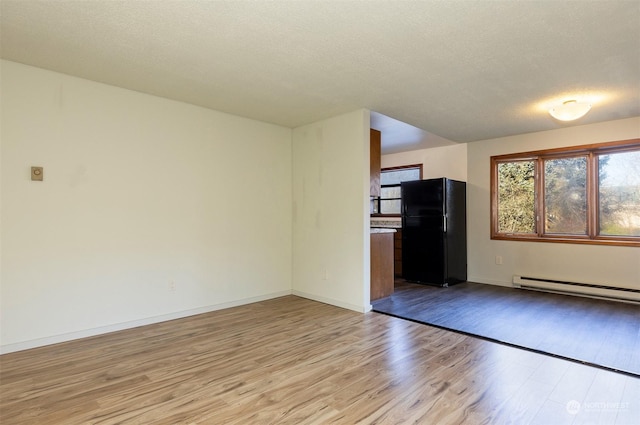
x=390 y=178
x=585 y=194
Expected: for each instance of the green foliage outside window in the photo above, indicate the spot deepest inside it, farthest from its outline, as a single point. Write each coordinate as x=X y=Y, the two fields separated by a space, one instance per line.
x=516 y=197
x=584 y=194
x=565 y=191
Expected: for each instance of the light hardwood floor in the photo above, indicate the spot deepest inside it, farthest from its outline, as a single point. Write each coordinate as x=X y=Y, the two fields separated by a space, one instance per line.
x=295 y=361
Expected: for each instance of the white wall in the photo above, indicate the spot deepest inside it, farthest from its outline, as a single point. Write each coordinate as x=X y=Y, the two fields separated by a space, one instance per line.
x=614 y=266
x=138 y=192
x=447 y=161
x=331 y=211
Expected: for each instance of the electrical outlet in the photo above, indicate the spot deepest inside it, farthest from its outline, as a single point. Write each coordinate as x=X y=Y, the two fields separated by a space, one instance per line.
x=172 y=286
x=499 y=260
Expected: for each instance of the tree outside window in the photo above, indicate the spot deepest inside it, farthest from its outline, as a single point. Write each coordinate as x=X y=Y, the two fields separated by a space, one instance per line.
x=586 y=194
x=619 y=194
x=516 y=197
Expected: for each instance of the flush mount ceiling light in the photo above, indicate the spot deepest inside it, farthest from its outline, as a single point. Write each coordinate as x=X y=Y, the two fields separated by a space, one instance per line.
x=570 y=110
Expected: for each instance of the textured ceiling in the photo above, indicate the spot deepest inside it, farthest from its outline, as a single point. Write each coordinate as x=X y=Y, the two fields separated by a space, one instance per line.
x=462 y=70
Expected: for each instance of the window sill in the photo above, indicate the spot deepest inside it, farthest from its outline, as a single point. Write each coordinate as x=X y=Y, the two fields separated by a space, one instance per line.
x=584 y=241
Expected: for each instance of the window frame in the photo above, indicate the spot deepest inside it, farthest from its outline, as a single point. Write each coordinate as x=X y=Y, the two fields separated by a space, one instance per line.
x=377 y=199
x=591 y=152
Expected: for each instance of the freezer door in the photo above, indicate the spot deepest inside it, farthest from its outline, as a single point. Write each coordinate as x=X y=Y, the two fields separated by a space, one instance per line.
x=422 y=197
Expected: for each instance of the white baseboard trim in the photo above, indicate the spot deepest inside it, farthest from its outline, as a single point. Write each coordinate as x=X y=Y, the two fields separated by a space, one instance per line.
x=56 y=339
x=489 y=281
x=331 y=301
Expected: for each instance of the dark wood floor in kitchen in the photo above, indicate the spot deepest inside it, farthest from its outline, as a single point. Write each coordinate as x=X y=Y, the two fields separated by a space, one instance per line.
x=294 y=361
x=593 y=331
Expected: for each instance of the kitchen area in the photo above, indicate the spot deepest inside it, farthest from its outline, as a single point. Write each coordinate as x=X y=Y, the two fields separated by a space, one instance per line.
x=385 y=231
x=418 y=227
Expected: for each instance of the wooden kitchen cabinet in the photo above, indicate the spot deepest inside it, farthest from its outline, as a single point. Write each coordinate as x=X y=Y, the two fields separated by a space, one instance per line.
x=375 y=140
x=397 y=253
x=382 y=279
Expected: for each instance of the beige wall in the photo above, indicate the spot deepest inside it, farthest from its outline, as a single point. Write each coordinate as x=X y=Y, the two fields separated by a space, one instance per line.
x=139 y=193
x=331 y=211
x=614 y=266
x=447 y=161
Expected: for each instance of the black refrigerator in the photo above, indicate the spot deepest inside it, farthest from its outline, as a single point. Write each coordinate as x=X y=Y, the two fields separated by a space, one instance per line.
x=434 y=231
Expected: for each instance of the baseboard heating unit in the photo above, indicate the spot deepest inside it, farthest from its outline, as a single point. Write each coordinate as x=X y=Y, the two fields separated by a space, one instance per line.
x=575 y=288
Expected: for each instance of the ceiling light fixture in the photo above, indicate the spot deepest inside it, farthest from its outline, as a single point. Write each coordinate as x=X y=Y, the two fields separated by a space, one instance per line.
x=570 y=110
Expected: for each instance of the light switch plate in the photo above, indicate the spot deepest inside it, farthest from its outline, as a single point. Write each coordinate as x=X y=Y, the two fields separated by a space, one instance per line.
x=37 y=173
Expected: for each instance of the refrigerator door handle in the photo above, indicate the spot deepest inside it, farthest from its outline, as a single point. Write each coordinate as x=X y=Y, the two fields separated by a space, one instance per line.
x=445 y=223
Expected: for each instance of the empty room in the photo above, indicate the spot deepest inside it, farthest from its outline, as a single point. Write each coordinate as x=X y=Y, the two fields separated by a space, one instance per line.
x=319 y=212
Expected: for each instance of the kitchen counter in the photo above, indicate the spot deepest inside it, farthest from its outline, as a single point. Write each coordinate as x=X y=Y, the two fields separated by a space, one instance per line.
x=388 y=223
x=382 y=230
